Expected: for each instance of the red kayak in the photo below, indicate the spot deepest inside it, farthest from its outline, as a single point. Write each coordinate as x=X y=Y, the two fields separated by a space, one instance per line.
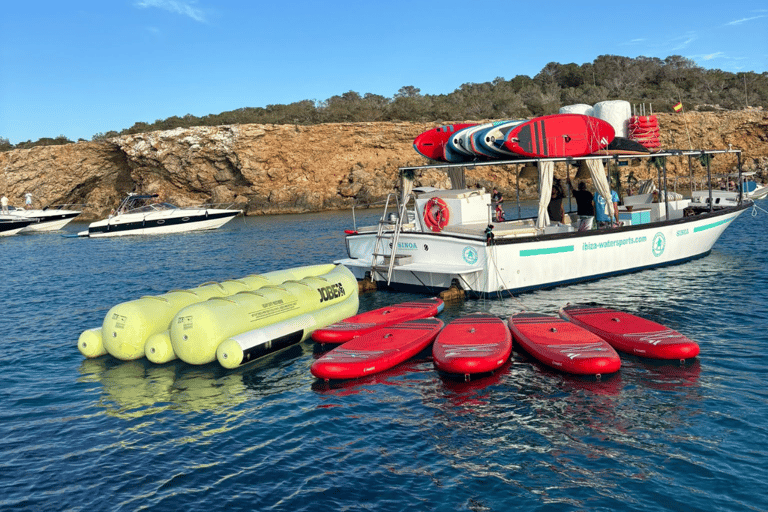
x=632 y=334
x=477 y=343
x=563 y=345
x=431 y=143
x=363 y=323
x=559 y=135
x=378 y=350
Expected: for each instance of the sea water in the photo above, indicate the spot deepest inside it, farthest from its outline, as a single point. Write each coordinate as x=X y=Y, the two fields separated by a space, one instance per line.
x=103 y=434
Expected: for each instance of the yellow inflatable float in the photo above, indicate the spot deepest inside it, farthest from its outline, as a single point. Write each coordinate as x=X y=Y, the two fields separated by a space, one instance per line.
x=248 y=346
x=197 y=330
x=128 y=326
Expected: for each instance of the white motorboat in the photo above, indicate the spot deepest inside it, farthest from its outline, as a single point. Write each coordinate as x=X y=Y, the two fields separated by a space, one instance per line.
x=142 y=215
x=752 y=189
x=429 y=240
x=11 y=224
x=51 y=218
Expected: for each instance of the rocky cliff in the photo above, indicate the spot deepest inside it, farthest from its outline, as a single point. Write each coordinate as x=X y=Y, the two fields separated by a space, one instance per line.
x=291 y=169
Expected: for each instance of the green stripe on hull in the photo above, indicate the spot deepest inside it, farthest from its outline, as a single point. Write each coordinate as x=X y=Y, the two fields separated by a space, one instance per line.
x=548 y=250
x=713 y=225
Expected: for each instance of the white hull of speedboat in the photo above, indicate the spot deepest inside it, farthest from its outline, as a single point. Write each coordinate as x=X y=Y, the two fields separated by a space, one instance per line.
x=164 y=222
x=11 y=225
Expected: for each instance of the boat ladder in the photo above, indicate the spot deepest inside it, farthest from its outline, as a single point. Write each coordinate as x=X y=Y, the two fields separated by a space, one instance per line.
x=388 y=233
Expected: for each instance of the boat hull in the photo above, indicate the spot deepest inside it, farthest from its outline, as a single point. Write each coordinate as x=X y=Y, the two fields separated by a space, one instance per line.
x=48 y=220
x=160 y=223
x=516 y=264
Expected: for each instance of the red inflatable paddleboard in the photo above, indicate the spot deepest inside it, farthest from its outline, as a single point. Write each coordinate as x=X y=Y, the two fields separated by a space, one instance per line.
x=363 y=323
x=632 y=334
x=431 y=143
x=477 y=343
x=560 y=135
x=378 y=350
x=563 y=345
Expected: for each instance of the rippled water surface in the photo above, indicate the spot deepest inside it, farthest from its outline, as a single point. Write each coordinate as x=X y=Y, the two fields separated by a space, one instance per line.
x=103 y=434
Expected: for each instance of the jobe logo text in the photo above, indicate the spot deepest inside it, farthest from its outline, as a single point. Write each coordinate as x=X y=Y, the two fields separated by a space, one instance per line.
x=331 y=292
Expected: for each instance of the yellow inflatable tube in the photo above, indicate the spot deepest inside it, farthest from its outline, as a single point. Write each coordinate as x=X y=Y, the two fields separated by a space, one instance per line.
x=158 y=348
x=128 y=326
x=249 y=346
x=90 y=343
x=197 y=330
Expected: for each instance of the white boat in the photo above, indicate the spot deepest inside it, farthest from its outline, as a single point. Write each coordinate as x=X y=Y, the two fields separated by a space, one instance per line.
x=142 y=215
x=12 y=224
x=51 y=218
x=752 y=189
x=446 y=237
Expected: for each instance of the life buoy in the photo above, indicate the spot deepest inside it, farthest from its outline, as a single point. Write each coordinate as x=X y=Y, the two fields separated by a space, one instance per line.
x=436 y=214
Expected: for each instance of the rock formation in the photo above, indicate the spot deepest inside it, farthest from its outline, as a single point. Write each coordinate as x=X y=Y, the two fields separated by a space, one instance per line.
x=271 y=169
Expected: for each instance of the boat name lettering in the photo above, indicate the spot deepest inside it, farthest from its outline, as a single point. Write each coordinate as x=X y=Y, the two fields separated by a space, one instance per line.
x=407 y=245
x=331 y=292
x=588 y=246
x=272 y=304
x=681 y=232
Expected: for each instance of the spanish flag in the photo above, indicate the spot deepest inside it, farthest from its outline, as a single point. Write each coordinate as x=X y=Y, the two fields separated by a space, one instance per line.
x=678 y=107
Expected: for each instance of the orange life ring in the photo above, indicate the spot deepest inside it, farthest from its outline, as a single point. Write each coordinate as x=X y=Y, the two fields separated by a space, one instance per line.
x=436 y=214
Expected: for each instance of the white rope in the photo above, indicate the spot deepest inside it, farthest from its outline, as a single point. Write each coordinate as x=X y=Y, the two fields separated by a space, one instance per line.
x=755 y=208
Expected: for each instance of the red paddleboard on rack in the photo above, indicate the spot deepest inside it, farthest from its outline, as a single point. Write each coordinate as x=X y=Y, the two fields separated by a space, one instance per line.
x=562 y=345
x=559 y=135
x=378 y=350
x=363 y=323
x=632 y=334
x=431 y=143
x=477 y=343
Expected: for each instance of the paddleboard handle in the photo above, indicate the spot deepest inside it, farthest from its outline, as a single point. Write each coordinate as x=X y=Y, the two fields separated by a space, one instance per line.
x=553 y=329
x=615 y=319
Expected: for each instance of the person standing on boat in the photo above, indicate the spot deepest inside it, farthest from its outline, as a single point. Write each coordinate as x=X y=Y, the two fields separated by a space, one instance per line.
x=28 y=199
x=496 y=198
x=555 y=208
x=602 y=216
x=584 y=206
x=4 y=203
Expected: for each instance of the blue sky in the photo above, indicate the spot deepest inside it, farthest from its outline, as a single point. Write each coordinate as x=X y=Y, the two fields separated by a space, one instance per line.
x=78 y=68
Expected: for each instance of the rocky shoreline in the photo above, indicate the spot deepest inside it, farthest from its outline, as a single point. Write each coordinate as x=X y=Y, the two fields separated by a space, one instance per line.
x=274 y=169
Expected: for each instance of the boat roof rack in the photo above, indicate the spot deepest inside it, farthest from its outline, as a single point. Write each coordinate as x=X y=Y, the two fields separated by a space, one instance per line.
x=572 y=159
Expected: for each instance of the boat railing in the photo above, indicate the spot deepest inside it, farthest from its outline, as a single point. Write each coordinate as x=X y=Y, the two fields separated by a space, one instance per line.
x=373 y=204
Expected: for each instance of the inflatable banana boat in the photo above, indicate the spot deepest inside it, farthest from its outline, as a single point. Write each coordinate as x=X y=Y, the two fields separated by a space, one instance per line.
x=128 y=326
x=197 y=330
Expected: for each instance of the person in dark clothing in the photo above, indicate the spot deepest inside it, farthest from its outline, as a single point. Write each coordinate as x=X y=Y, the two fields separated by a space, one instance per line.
x=583 y=197
x=496 y=197
x=555 y=208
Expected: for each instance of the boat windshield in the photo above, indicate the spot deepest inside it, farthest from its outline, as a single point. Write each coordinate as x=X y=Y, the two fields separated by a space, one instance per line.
x=143 y=204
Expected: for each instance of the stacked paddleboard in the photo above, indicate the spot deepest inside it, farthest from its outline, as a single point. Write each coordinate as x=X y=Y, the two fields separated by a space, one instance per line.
x=557 y=135
x=363 y=323
x=378 y=350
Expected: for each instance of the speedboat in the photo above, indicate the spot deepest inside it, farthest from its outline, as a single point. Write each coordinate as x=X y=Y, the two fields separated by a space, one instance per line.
x=11 y=224
x=143 y=215
x=50 y=218
x=430 y=240
x=752 y=189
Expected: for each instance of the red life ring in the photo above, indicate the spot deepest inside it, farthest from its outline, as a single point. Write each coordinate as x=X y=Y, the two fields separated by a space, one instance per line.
x=436 y=214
